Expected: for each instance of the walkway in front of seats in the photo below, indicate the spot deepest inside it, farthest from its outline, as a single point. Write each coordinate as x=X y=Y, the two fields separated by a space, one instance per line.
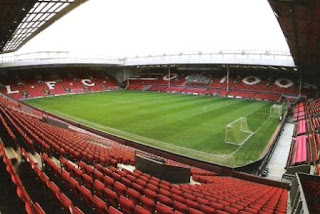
x=279 y=157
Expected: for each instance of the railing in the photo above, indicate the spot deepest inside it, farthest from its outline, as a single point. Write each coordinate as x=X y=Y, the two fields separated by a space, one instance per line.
x=241 y=57
x=51 y=58
x=267 y=58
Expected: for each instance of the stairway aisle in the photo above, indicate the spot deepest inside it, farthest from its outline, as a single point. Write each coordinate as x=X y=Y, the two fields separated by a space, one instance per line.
x=279 y=157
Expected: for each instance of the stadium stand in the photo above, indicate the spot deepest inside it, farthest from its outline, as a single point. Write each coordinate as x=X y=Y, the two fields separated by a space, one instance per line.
x=248 y=87
x=30 y=86
x=81 y=172
x=48 y=168
x=305 y=145
x=26 y=87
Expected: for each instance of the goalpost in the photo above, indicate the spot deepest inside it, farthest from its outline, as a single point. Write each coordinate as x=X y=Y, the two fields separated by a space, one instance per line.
x=238 y=132
x=275 y=111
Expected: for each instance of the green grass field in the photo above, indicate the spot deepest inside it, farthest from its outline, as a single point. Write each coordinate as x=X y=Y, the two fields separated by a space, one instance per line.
x=189 y=125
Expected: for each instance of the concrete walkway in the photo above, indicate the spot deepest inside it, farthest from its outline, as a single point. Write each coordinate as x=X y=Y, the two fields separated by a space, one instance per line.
x=280 y=155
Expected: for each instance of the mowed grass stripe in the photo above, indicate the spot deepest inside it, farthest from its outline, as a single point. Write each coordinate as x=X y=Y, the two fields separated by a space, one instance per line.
x=204 y=124
x=117 y=108
x=193 y=122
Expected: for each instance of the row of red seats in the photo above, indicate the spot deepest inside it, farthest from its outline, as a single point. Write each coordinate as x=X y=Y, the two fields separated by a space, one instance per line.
x=166 y=193
x=64 y=142
x=10 y=119
x=300 y=150
x=301 y=127
x=304 y=149
x=266 y=96
x=30 y=207
x=46 y=137
x=314 y=106
x=299 y=111
x=8 y=129
x=210 y=91
x=93 y=193
x=28 y=89
x=65 y=202
x=264 y=90
x=33 y=88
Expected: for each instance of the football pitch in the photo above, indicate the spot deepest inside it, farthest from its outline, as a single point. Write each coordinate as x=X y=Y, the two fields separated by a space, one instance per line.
x=190 y=125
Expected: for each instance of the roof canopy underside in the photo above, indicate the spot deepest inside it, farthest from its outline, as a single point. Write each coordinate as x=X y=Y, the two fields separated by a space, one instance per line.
x=22 y=20
x=300 y=23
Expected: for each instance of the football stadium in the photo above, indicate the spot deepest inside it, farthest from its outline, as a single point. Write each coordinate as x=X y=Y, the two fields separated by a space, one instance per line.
x=106 y=109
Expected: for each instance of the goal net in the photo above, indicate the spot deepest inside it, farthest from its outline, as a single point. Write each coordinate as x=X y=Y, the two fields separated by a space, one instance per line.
x=276 y=111
x=238 y=132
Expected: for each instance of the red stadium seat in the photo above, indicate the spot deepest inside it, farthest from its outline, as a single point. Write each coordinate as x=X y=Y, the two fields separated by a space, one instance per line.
x=113 y=210
x=140 y=210
x=100 y=206
x=65 y=201
x=133 y=195
x=126 y=205
x=147 y=203
x=163 y=209
x=194 y=211
x=38 y=209
x=111 y=196
x=180 y=207
x=75 y=210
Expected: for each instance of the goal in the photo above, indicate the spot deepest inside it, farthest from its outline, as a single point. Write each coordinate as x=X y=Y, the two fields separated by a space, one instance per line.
x=238 y=132
x=276 y=111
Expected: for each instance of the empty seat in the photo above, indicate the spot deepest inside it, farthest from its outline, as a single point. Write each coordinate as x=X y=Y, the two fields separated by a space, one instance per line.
x=119 y=188
x=38 y=209
x=206 y=209
x=126 y=205
x=133 y=195
x=100 y=206
x=150 y=194
x=180 y=206
x=147 y=203
x=164 y=199
x=194 y=211
x=163 y=209
x=85 y=194
x=141 y=210
x=65 y=201
x=108 y=181
x=192 y=204
x=113 y=210
x=111 y=197
x=99 y=187
x=75 y=210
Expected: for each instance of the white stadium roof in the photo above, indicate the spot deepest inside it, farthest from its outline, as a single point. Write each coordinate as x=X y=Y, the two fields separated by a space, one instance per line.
x=166 y=30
